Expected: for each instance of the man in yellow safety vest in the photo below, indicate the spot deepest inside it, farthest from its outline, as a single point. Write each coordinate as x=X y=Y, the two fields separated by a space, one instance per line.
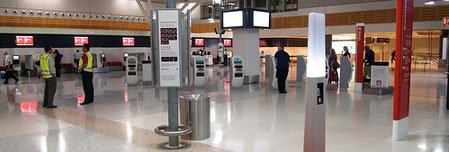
x=48 y=71
x=85 y=68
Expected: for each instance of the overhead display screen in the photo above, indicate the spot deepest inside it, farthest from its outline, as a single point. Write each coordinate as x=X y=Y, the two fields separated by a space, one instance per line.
x=79 y=41
x=128 y=41
x=261 y=19
x=24 y=40
x=233 y=19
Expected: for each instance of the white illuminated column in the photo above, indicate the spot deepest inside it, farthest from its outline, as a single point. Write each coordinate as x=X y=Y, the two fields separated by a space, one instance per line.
x=315 y=126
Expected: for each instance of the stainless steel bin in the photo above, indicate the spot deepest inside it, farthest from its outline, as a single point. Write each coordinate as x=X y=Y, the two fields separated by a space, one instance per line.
x=195 y=112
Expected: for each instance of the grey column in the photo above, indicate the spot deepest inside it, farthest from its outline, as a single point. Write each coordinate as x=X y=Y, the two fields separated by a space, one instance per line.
x=172 y=93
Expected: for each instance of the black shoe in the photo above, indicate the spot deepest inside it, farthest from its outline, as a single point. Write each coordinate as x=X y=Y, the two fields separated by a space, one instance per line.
x=17 y=81
x=44 y=106
x=5 y=82
x=51 y=107
x=84 y=103
x=283 y=92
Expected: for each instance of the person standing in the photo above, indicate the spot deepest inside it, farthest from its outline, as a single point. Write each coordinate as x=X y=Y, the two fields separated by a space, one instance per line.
x=85 y=68
x=47 y=68
x=76 y=59
x=58 y=57
x=333 y=65
x=282 y=59
x=225 y=57
x=346 y=52
x=393 y=56
x=9 y=73
x=369 y=60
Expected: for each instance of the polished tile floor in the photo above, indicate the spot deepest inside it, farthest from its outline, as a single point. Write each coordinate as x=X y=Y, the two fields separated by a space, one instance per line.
x=251 y=118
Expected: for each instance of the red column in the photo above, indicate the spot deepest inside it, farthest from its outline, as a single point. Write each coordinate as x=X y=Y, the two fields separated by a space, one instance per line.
x=360 y=40
x=404 y=29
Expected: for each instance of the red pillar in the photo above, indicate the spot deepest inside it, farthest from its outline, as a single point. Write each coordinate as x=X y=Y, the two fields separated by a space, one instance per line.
x=360 y=40
x=404 y=29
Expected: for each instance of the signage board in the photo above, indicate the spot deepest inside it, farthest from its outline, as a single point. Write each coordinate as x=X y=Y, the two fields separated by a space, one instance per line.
x=24 y=40
x=227 y=42
x=169 y=48
x=128 y=41
x=79 y=41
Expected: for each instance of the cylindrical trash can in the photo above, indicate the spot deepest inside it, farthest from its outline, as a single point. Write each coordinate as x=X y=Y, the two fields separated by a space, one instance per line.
x=195 y=112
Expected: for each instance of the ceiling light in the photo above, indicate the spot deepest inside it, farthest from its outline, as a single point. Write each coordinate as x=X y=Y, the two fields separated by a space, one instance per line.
x=430 y=2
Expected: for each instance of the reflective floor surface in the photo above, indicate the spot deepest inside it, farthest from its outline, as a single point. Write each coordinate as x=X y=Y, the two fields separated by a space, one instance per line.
x=252 y=118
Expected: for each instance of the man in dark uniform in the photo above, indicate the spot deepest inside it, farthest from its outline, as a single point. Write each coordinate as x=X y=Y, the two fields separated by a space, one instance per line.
x=282 y=59
x=369 y=60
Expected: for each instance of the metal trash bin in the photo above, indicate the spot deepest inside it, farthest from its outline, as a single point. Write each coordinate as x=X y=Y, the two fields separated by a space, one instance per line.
x=195 y=112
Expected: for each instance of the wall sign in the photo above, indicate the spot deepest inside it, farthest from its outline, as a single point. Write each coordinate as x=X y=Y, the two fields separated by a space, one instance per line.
x=169 y=48
x=24 y=40
x=199 y=42
x=128 y=41
x=79 y=41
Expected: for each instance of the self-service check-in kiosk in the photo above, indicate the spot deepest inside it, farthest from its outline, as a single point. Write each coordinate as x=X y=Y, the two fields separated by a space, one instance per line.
x=125 y=56
x=16 y=63
x=346 y=70
x=131 y=70
x=301 y=68
x=199 y=65
x=237 y=71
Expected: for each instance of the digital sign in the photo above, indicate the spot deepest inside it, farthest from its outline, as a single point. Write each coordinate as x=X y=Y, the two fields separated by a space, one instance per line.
x=233 y=19
x=199 y=42
x=227 y=42
x=79 y=41
x=24 y=40
x=261 y=19
x=128 y=41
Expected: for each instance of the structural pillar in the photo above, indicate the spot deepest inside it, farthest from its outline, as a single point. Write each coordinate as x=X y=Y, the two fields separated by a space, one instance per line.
x=404 y=29
x=246 y=45
x=360 y=41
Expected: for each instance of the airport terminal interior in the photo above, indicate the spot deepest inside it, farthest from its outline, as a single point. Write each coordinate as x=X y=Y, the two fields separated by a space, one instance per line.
x=206 y=75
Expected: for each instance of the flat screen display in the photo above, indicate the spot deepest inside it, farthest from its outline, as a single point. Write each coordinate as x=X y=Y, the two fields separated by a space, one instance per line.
x=227 y=42
x=79 y=41
x=24 y=40
x=233 y=19
x=199 y=42
x=128 y=41
x=15 y=57
x=125 y=55
x=261 y=19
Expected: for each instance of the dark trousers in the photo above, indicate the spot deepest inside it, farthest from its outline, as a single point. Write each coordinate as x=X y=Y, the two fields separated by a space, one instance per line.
x=76 y=65
x=281 y=74
x=50 y=90
x=58 y=71
x=10 y=74
x=88 y=86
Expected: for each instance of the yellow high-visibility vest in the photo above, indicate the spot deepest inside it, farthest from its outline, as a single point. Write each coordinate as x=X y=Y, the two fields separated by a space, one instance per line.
x=89 y=62
x=45 y=68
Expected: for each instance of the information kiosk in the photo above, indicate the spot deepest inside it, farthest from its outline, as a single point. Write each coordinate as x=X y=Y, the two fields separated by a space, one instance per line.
x=131 y=70
x=237 y=71
x=199 y=65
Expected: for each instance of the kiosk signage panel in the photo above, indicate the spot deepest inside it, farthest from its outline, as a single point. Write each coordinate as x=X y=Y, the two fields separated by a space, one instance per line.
x=24 y=40
x=128 y=41
x=169 y=48
x=227 y=42
x=79 y=41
